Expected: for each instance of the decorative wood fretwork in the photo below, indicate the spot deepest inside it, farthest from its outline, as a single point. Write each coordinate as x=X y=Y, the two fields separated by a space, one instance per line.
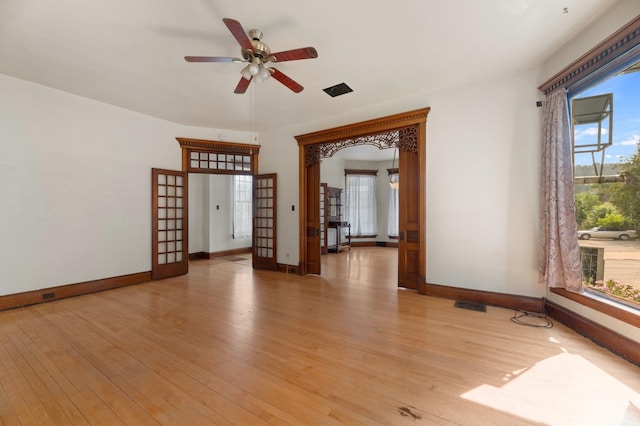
x=312 y=154
x=399 y=131
x=380 y=141
x=619 y=43
x=404 y=139
x=408 y=139
x=216 y=157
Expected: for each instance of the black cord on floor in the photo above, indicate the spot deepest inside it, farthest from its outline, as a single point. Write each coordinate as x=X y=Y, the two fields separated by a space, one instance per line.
x=531 y=319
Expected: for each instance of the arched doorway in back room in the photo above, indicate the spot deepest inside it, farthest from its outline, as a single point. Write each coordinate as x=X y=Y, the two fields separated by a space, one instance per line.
x=404 y=131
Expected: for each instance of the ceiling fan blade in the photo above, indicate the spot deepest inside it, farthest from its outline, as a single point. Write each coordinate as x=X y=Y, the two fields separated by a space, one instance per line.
x=287 y=81
x=242 y=85
x=211 y=59
x=294 y=55
x=238 y=33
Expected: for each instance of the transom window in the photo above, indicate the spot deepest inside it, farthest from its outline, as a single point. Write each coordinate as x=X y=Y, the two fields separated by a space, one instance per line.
x=217 y=161
x=215 y=157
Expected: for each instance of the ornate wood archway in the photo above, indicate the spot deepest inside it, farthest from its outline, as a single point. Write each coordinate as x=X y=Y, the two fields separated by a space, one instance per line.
x=406 y=131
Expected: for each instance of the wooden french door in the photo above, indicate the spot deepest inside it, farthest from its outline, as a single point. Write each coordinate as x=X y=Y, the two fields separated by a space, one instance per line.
x=169 y=224
x=264 y=222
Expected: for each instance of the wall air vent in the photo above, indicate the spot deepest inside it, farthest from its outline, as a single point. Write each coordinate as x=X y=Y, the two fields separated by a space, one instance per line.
x=337 y=90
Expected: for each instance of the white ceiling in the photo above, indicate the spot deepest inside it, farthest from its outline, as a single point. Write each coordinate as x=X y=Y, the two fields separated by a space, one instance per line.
x=130 y=53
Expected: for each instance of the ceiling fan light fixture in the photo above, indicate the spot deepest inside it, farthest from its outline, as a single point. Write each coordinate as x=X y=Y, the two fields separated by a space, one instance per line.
x=254 y=66
x=246 y=73
x=263 y=73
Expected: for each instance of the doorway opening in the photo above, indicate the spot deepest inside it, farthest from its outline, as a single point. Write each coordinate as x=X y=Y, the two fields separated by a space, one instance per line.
x=209 y=157
x=407 y=133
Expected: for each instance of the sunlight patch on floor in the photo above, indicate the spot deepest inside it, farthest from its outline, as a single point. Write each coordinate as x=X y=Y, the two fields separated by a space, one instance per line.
x=563 y=390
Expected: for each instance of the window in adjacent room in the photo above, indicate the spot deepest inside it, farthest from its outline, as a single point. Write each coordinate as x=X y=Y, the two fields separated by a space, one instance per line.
x=360 y=202
x=242 y=202
x=392 y=217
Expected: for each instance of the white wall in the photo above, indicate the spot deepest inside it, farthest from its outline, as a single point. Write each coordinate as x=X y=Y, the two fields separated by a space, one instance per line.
x=75 y=179
x=332 y=172
x=198 y=199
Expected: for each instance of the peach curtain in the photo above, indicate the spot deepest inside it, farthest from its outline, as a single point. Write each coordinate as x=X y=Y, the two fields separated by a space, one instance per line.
x=559 y=262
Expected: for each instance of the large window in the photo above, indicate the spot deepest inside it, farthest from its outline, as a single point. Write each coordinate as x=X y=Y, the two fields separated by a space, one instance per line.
x=606 y=136
x=242 y=212
x=360 y=203
x=618 y=53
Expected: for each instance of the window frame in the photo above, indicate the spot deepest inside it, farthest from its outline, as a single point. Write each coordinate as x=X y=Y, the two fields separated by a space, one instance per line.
x=595 y=65
x=363 y=173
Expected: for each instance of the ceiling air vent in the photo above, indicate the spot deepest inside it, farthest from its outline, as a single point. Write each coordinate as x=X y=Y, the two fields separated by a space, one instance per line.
x=338 y=89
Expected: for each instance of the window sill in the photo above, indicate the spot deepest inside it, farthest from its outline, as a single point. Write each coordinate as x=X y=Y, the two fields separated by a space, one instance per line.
x=601 y=304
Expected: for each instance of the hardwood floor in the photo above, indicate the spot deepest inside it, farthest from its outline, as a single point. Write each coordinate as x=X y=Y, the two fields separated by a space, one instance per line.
x=229 y=345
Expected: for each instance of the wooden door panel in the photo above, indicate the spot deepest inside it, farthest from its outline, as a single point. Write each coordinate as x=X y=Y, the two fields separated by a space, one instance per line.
x=313 y=250
x=264 y=222
x=409 y=275
x=169 y=223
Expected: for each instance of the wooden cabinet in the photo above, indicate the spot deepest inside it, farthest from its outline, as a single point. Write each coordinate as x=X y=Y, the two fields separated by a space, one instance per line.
x=334 y=204
x=338 y=232
x=324 y=219
x=342 y=239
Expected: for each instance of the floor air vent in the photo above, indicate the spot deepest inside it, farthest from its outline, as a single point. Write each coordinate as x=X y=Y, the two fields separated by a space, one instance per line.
x=471 y=306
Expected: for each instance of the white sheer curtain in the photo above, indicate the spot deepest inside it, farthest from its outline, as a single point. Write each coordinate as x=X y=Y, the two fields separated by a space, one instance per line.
x=242 y=201
x=360 y=204
x=392 y=216
x=559 y=262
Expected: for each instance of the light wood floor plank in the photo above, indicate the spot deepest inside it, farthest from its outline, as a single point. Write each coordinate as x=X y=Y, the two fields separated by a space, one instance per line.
x=229 y=345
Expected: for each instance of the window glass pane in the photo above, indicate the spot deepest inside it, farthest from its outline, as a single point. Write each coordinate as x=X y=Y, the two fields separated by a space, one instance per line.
x=606 y=153
x=242 y=206
x=392 y=218
x=360 y=204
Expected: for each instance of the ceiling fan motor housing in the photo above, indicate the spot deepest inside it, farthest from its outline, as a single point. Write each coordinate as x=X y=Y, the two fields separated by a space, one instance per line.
x=260 y=49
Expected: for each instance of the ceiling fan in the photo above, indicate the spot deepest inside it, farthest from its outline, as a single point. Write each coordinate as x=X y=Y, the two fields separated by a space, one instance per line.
x=257 y=54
